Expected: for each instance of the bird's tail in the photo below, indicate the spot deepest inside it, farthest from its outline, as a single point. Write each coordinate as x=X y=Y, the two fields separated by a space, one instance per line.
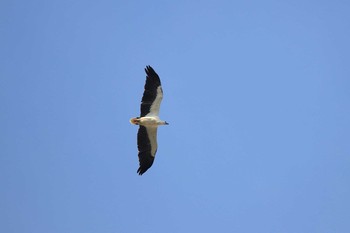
x=135 y=121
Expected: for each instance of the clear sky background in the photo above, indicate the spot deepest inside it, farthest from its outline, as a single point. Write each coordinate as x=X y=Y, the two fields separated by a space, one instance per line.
x=257 y=94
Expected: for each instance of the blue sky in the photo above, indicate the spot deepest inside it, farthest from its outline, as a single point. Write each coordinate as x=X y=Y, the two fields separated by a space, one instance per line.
x=256 y=94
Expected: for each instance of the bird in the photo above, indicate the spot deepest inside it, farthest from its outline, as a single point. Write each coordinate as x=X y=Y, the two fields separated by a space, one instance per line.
x=149 y=120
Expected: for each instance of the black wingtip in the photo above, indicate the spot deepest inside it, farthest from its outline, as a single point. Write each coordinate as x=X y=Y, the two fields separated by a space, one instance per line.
x=144 y=166
x=152 y=76
x=141 y=170
x=149 y=70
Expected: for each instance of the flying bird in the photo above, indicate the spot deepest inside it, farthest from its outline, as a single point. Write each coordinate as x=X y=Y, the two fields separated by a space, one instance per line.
x=149 y=120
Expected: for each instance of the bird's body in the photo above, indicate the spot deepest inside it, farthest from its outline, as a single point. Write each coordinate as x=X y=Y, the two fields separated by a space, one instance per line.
x=149 y=120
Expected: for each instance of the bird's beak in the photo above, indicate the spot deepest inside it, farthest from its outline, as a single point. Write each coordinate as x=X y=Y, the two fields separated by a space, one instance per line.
x=166 y=123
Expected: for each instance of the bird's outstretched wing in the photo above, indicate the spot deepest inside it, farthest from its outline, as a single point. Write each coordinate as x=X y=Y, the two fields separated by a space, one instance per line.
x=147 y=146
x=152 y=95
